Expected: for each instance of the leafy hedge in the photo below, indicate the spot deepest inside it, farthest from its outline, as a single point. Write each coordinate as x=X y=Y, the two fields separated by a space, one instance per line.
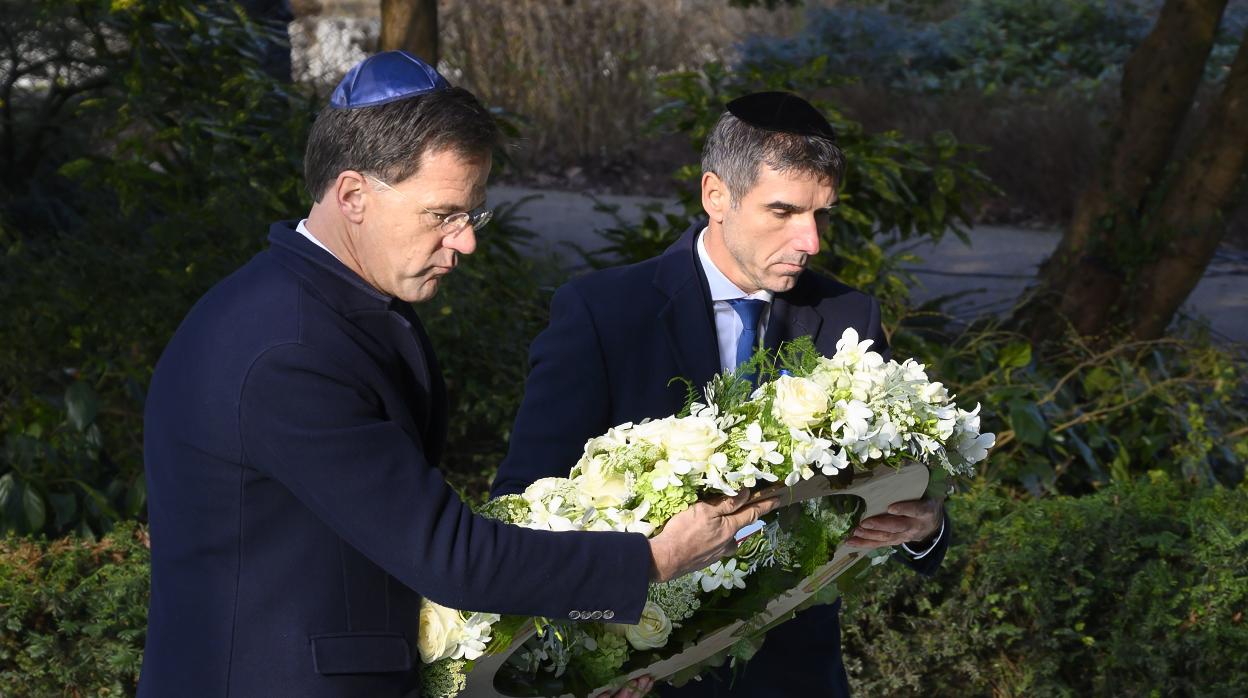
x=1137 y=590
x=73 y=614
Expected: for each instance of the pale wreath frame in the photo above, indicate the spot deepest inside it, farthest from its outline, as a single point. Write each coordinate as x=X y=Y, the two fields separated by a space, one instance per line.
x=878 y=489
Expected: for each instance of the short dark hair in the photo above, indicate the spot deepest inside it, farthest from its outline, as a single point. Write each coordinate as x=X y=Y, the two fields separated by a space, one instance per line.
x=388 y=140
x=735 y=150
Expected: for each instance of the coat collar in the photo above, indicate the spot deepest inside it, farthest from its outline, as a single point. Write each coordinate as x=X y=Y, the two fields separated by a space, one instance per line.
x=329 y=278
x=687 y=317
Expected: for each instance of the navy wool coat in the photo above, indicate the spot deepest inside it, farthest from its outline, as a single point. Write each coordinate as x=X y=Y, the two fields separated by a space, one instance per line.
x=616 y=339
x=292 y=433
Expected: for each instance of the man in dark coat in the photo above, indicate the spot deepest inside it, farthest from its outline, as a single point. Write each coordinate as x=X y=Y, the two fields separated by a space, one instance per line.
x=617 y=337
x=294 y=424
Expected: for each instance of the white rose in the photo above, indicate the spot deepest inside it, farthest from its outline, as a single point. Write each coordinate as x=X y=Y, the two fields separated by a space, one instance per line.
x=542 y=489
x=604 y=486
x=799 y=402
x=440 y=630
x=692 y=438
x=652 y=631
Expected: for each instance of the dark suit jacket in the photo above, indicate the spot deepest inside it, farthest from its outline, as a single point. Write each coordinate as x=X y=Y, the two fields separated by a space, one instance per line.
x=616 y=338
x=292 y=433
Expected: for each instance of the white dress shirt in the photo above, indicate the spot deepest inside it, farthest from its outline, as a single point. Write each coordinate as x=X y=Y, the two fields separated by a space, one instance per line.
x=727 y=321
x=728 y=330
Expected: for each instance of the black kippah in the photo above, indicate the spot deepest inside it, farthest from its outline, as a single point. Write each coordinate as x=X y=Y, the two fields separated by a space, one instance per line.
x=781 y=111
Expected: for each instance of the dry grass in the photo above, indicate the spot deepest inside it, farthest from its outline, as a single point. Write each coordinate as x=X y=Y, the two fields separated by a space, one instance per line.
x=581 y=73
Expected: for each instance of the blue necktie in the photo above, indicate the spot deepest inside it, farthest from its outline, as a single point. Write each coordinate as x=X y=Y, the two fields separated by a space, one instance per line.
x=750 y=310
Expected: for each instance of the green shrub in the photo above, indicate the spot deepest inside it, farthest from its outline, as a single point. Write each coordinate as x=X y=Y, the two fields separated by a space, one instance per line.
x=73 y=614
x=182 y=151
x=1080 y=418
x=1138 y=590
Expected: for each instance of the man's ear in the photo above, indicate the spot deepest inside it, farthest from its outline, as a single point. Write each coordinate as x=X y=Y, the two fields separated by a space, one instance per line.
x=351 y=194
x=715 y=196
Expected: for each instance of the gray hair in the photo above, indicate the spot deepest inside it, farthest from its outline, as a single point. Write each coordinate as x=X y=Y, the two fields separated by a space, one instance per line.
x=735 y=150
x=388 y=140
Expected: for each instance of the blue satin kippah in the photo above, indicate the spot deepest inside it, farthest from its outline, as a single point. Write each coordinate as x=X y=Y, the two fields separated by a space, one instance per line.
x=386 y=77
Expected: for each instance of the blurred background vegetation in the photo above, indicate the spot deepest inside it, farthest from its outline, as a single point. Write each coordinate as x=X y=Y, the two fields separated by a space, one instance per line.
x=145 y=146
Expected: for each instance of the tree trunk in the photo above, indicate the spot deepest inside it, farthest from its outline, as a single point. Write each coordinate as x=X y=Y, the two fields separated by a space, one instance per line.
x=412 y=26
x=1083 y=282
x=1192 y=217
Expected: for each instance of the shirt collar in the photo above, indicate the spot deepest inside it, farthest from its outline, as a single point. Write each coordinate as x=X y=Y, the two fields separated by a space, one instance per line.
x=722 y=289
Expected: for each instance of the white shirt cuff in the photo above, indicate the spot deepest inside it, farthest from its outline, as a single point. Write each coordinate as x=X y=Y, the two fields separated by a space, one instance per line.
x=931 y=547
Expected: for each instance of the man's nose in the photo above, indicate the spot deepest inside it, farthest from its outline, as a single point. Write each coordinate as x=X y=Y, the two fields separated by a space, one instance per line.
x=463 y=242
x=807 y=235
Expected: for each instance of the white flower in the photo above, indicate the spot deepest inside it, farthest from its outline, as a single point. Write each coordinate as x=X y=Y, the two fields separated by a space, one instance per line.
x=615 y=438
x=653 y=629
x=440 y=631
x=809 y=449
x=756 y=449
x=717 y=474
x=886 y=438
x=726 y=575
x=969 y=421
x=629 y=520
x=667 y=474
x=604 y=486
x=547 y=487
x=852 y=417
x=855 y=354
x=691 y=438
x=946 y=421
x=974 y=447
x=546 y=516
x=749 y=475
x=475 y=636
x=799 y=402
x=554 y=503
x=933 y=393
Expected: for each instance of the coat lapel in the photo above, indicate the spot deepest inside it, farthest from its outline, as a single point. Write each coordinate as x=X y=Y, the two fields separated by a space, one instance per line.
x=687 y=317
x=791 y=318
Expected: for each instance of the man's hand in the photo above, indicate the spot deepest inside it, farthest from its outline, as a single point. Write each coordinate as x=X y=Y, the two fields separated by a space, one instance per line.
x=905 y=522
x=702 y=534
x=636 y=688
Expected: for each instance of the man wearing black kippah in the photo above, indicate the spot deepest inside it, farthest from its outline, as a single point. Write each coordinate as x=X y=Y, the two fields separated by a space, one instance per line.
x=771 y=172
x=294 y=422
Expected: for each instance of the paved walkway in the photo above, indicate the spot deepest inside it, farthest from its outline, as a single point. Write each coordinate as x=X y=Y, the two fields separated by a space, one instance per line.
x=987 y=275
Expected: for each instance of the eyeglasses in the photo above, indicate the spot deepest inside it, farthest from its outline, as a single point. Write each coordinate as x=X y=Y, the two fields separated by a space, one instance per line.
x=450 y=223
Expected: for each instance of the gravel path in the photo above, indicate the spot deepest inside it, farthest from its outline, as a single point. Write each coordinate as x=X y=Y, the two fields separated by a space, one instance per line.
x=987 y=275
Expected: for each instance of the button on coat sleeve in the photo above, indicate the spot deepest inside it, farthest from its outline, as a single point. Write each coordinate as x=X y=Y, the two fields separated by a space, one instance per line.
x=307 y=424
